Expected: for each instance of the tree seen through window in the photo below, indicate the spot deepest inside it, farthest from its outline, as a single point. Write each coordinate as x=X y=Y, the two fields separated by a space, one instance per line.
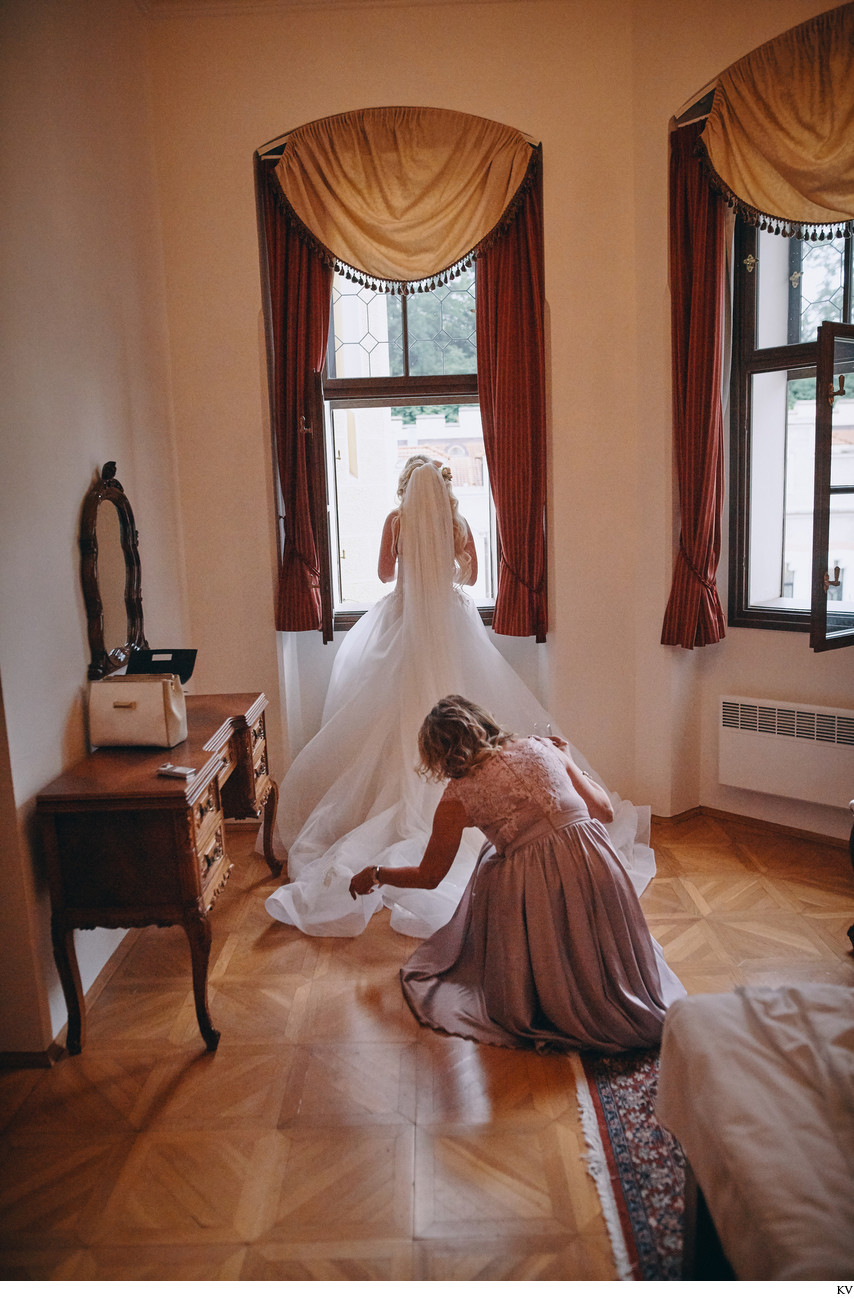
x=401 y=378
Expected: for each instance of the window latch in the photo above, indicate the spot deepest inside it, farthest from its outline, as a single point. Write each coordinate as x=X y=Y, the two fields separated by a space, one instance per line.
x=834 y=581
x=836 y=392
x=750 y=261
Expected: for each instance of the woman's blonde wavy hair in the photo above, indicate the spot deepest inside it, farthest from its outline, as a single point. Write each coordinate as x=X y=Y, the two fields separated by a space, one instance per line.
x=456 y=736
x=461 y=535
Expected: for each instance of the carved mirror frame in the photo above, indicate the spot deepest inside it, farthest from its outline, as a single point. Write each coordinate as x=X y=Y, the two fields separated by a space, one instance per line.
x=104 y=661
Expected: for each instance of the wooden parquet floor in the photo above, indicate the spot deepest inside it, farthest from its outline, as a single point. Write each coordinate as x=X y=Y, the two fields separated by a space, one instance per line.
x=332 y=1138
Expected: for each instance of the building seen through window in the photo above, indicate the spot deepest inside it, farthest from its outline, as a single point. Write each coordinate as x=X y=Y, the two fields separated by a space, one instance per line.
x=401 y=378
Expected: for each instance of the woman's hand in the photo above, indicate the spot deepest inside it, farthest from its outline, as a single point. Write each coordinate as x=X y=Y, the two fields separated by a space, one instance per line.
x=364 y=882
x=449 y=821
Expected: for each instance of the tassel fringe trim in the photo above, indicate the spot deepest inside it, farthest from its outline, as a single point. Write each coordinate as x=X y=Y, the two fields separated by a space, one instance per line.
x=815 y=231
x=405 y=288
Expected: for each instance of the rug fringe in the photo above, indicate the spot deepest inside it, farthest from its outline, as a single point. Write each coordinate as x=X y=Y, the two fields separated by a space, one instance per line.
x=597 y=1167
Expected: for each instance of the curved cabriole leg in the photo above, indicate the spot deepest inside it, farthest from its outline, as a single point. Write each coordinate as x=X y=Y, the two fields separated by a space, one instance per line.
x=198 y=930
x=270 y=805
x=65 y=955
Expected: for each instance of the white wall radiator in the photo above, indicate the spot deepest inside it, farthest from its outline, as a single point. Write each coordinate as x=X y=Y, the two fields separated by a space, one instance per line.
x=793 y=750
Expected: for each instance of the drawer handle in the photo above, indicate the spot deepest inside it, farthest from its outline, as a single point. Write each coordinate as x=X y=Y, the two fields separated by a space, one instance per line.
x=206 y=807
x=124 y=703
x=212 y=857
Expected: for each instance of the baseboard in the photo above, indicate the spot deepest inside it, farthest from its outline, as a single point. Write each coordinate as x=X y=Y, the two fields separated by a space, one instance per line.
x=107 y=971
x=752 y=823
x=47 y=1059
x=31 y=1059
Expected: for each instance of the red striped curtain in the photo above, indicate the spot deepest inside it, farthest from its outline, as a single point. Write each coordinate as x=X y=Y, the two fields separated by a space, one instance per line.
x=511 y=385
x=694 y=616
x=296 y=283
x=297 y=287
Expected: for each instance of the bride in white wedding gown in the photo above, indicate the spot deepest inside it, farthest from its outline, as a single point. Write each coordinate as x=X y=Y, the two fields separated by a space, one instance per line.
x=352 y=797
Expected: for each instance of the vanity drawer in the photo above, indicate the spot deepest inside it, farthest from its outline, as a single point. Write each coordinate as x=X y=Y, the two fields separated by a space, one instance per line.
x=214 y=867
x=246 y=793
x=258 y=735
x=229 y=762
x=259 y=764
x=207 y=812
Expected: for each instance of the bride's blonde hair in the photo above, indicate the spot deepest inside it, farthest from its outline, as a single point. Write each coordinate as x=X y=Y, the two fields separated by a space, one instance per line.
x=461 y=535
x=455 y=737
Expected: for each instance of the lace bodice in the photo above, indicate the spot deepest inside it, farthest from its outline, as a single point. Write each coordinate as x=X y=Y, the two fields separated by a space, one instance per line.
x=521 y=784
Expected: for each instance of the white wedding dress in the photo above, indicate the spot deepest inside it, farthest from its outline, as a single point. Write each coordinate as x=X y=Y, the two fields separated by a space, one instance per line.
x=352 y=797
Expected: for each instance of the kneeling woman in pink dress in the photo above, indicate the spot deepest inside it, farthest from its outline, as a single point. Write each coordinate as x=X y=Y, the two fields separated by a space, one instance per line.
x=548 y=947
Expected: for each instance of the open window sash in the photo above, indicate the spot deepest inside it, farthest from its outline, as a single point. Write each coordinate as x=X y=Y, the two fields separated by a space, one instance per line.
x=832 y=612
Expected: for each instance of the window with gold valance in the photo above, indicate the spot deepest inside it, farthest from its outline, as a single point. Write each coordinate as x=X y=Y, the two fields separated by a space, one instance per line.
x=778 y=143
x=401 y=199
x=777 y=147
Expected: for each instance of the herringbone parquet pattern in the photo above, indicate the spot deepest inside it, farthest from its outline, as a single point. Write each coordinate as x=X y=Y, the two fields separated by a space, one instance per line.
x=331 y=1138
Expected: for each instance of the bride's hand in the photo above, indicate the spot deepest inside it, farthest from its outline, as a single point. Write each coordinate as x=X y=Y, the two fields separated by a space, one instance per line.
x=363 y=882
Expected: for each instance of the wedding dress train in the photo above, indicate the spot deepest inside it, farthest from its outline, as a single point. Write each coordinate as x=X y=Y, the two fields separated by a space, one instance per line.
x=352 y=797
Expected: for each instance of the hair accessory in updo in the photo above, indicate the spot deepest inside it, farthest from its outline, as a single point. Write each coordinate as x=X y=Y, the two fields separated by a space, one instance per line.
x=446 y=473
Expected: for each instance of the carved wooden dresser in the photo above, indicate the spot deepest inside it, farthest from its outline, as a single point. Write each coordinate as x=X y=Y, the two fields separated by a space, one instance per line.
x=126 y=848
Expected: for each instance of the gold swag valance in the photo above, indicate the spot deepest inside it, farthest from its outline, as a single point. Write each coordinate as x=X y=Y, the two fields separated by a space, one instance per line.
x=779 y=139
x=403 y=198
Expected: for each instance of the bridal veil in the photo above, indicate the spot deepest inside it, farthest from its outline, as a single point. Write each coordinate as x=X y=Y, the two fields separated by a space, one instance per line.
x=352 y=797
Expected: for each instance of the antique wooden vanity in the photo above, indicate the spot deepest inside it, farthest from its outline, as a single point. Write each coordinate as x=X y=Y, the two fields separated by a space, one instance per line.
x=125 y=847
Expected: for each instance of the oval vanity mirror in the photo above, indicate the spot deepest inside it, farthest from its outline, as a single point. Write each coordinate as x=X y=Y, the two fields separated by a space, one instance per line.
x=110 y=574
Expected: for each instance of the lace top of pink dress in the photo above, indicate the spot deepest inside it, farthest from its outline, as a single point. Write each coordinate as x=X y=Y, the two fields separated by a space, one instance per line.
x=521 y=784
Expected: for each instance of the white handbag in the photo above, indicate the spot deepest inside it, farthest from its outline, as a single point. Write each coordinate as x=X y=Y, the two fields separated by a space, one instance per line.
x=137 y=711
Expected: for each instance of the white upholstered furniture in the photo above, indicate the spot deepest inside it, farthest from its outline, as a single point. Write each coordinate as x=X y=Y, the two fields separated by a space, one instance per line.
x=758 y=1087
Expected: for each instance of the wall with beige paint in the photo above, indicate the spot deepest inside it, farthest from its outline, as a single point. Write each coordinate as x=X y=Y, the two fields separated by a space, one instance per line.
x=132 y=284
x=85 y=379
x=678 y=48
x=598 y=85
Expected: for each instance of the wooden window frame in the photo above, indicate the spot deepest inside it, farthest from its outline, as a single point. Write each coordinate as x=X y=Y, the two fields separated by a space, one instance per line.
x=398 y=390
x=749 y=360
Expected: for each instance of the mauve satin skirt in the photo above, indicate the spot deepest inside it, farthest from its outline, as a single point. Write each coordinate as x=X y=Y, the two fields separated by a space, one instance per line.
x=548 y=949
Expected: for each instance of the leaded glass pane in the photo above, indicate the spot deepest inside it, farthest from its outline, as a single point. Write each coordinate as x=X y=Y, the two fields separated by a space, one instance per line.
x=800 y=284
x=367 y=332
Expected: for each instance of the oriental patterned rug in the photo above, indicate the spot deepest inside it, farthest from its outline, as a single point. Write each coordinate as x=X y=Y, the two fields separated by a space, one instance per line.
x=638 y=1167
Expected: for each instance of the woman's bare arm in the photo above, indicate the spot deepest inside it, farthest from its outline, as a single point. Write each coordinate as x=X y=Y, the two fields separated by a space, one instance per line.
x=472 y=554
x=388 y=549
x=449 y=822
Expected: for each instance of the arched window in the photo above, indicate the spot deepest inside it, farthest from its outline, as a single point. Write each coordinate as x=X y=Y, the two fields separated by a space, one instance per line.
x=776 y=147
x=401 y=200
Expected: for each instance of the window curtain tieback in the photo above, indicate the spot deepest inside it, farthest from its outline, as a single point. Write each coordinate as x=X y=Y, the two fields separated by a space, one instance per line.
x=708 y=583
